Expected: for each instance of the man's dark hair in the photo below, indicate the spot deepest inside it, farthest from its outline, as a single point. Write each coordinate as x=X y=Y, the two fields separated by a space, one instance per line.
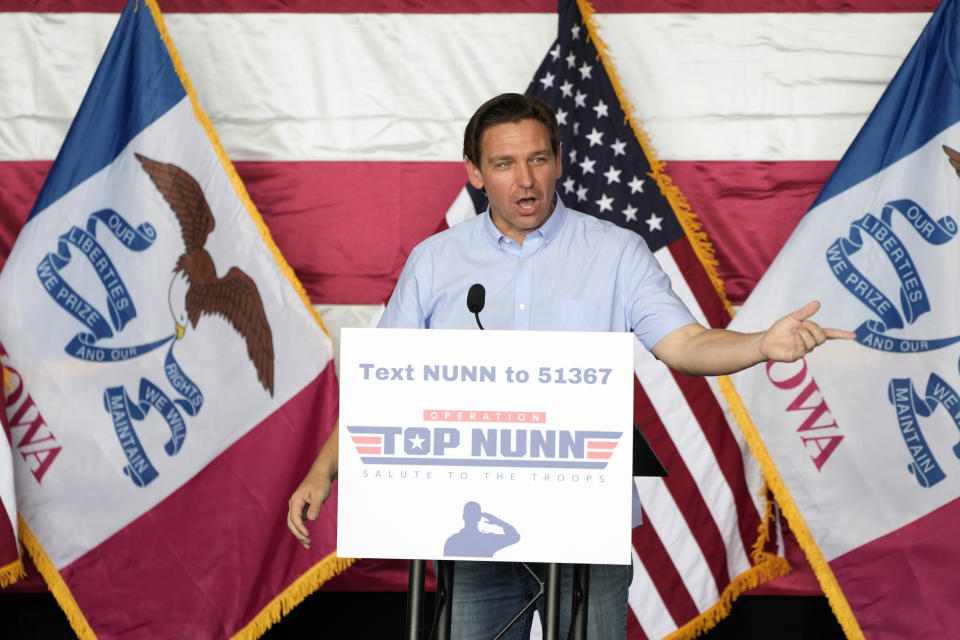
x=508 y=107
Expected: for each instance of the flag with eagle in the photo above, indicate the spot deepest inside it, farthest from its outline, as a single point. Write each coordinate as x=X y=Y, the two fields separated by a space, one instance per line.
x=171 y=379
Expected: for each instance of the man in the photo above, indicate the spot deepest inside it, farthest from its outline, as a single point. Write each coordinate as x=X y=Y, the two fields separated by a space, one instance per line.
x=546 y=267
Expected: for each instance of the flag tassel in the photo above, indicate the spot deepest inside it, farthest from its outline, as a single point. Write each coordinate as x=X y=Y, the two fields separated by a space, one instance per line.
x=767 y=566
x=11 y=572
x=280 y=606
x=771 y=568
x=55 y=583
x=293 y=595
x=828 y=582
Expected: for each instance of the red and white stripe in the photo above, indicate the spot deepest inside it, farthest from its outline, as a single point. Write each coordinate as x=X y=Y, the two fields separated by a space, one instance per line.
x=751 y=110
x=344 y=118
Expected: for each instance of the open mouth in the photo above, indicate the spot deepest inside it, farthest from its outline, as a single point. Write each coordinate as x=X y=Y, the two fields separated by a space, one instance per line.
x=527 y=205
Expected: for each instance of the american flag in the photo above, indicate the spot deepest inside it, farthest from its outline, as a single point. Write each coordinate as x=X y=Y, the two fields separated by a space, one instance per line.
x=607 y=173
x=695 y=551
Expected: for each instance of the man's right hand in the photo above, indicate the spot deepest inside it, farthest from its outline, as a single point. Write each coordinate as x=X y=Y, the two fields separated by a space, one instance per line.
x=305 y=504
x=306 y=501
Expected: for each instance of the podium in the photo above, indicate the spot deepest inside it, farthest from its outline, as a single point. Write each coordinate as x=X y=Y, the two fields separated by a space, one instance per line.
x=645 y=464
x=448 y=436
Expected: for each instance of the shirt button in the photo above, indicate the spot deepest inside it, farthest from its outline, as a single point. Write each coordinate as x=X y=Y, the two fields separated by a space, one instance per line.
x=526 y=264
x=522 y=306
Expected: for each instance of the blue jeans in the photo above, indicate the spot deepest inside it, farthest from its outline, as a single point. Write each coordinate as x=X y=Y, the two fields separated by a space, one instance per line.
x=486 y=595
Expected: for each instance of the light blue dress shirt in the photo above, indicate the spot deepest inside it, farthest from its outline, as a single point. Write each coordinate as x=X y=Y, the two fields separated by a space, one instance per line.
x=574 y=273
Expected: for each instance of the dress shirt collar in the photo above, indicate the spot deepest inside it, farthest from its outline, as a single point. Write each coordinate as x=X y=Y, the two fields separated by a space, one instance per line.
x=548 y=231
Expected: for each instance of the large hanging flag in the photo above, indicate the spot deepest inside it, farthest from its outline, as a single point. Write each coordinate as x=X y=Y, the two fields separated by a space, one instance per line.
x=704 y=527
x=172 y=381
x=859 y=440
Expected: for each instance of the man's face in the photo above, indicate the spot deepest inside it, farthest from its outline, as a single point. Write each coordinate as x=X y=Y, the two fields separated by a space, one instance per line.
x=518 y=170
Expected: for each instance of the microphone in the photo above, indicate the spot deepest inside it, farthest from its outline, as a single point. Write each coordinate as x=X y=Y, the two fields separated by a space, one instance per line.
x=476 y=297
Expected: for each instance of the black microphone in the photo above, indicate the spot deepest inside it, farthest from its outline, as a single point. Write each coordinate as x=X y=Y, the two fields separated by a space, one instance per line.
x=475 y=298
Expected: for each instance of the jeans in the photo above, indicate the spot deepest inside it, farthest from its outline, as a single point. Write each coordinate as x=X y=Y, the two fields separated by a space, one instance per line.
x=486 y=595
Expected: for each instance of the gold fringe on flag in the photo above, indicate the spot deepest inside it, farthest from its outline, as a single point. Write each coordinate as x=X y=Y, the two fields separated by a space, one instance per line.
x=681 y=207
x=293 y=595
x=280 y=606
x=766 y=565
x=828 y=582
x=10 y=573
x=330 y=566
x=56 y=584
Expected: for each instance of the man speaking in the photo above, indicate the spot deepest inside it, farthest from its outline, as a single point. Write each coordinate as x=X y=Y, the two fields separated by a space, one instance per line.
x=543 y=266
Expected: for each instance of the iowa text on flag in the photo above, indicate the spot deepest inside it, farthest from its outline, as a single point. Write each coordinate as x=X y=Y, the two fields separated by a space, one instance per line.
x=693 y=554
x=169 y=375
x=860 y=439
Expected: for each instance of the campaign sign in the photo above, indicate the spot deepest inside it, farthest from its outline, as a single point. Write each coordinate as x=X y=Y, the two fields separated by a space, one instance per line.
x=501 y=445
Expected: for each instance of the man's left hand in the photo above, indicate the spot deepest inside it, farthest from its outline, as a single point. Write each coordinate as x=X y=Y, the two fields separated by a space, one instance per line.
x=795 y=335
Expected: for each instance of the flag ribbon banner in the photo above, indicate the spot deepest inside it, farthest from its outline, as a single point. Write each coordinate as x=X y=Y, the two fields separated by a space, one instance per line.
x=694 y=554
x=858 y=438
x=152 y=485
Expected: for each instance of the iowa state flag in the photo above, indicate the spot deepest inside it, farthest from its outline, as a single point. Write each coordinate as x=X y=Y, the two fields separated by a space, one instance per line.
x=170 y=381
x=859 y=439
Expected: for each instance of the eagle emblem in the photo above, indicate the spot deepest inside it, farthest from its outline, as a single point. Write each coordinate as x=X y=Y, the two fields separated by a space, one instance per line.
x=954 y=156
x=196 y=289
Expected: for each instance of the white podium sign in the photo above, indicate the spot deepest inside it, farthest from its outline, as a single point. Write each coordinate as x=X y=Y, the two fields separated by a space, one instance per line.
x=502 y=445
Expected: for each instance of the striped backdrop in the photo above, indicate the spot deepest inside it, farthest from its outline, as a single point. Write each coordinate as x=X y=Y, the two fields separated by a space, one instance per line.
x=344 y=121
